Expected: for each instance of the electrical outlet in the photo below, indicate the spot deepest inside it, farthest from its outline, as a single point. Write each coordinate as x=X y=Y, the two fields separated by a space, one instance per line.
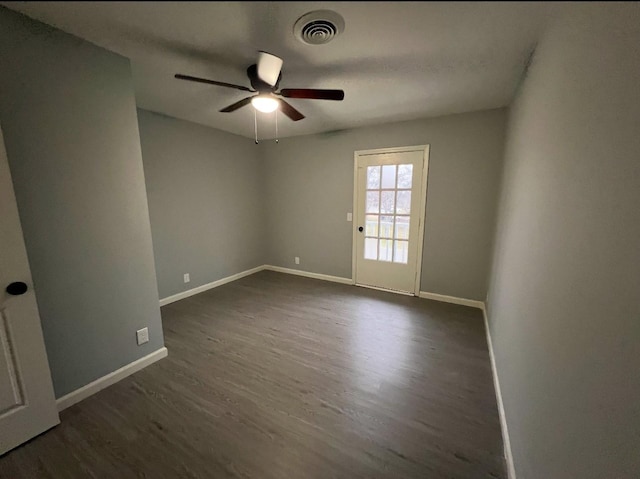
x=142 y=335
x=297 y=260
x=349 y=216
x=186 y=278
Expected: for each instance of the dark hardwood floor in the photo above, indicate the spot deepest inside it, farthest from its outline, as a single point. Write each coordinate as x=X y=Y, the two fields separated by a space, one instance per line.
x=278 y=376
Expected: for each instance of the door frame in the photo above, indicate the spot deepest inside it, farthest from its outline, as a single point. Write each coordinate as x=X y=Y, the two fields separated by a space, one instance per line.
x=421 y=213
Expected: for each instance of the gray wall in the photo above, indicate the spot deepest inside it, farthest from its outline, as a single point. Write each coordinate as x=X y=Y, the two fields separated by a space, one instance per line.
x=67 y=109
x=219 y=204
x=310 y=190
x=565 y=295
x=206 y=191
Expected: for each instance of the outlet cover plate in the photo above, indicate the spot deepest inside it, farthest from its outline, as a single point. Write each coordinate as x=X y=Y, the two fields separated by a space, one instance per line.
x=142 y=336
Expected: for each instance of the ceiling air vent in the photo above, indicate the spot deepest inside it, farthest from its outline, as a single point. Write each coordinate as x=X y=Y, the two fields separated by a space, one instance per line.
x=319 y=27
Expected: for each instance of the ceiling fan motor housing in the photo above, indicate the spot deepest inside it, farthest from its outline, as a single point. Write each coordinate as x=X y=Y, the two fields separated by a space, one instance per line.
x=318 y=27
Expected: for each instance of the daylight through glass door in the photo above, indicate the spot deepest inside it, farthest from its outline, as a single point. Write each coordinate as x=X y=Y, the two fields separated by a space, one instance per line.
x=388 y=209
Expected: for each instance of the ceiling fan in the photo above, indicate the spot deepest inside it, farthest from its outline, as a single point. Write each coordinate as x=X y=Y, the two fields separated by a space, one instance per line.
x=265 y=77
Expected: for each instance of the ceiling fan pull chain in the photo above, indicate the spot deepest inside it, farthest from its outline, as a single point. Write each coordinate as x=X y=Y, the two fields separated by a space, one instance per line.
x=277 y=126
x=255 y=124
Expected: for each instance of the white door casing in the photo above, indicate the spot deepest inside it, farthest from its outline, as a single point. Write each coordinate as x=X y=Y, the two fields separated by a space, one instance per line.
x=27 y=402
x=389 y=203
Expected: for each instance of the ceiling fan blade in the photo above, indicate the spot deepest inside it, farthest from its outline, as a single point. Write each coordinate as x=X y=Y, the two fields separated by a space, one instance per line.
x=179 y=76
x=312 y=94
x=269 y=67
x=236 y=105
x=290 y=111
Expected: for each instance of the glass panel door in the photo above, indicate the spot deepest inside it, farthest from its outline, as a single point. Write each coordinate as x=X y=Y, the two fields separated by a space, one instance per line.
x=389 y=195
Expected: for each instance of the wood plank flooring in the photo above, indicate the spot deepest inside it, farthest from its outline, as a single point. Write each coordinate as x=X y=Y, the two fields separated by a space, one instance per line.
x=279 y=376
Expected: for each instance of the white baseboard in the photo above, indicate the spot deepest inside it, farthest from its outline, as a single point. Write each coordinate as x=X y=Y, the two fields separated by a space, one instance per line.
x=511 y=471
x=208 y=286
x=452 y=299
x=93 y=387
x=298 y=272
x=386 y=290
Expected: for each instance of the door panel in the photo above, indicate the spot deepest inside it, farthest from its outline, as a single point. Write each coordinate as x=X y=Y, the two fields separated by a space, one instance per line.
x=389 y=207
x=27 y=402
x=11 y=390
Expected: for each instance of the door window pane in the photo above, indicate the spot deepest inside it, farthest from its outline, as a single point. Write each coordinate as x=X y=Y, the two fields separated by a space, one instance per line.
x=389 y=176
x=404 y=203
x=388 y=202
x=370 y=248
x=386 y=227
x=405 y=176
x=385 y=250
x=401 y=253
x=388 y=210
x=372 y=225
x=402 y=227
x=373 y=177
x=373 y=201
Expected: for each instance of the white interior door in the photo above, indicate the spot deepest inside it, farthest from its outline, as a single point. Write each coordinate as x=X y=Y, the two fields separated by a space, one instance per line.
x=27 y=402
x=390 y=200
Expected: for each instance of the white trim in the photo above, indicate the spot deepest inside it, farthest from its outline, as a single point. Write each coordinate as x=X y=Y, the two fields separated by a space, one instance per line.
x=308 y=274
x=422 y=218
x=354 y=225
x=393 y=149
x=511 y=471
x=425 y=149
x=386 y=290
x=452 y=299
x=111 y=378
x=208 y=286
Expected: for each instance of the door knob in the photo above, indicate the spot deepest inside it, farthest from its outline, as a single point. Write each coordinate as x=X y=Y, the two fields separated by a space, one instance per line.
x=17 y=288
x=360 y=229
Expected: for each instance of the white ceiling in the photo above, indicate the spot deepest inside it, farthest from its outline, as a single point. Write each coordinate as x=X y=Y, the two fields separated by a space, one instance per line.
x=395 y=60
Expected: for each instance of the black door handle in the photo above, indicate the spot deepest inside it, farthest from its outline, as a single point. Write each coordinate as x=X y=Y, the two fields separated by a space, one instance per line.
x=17 y=288
x=360 y=229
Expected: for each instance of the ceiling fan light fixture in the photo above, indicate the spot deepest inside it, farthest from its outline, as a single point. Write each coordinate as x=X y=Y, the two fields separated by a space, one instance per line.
x=265 y=103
